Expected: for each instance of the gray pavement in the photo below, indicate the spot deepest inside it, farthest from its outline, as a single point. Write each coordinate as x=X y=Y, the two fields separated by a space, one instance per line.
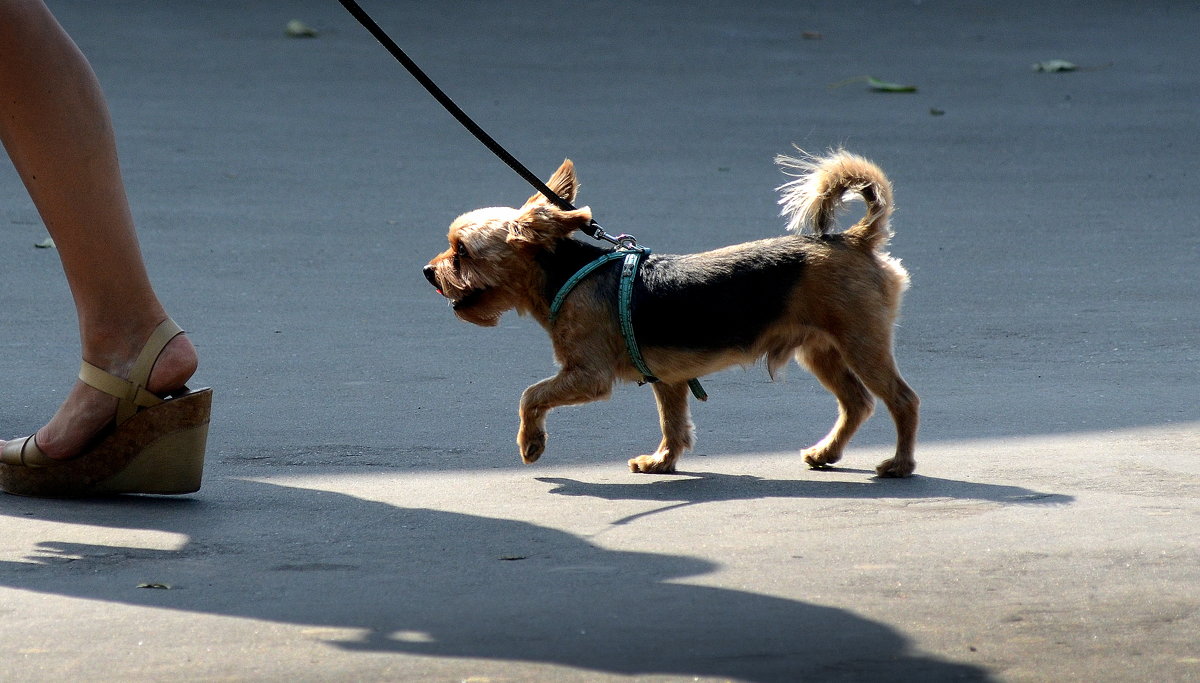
x=365 y=515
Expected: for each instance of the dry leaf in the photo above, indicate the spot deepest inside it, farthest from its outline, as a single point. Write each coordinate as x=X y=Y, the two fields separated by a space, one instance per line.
x=1054 y=66
x=876 y=84
x=298 y=29
x=885 y=86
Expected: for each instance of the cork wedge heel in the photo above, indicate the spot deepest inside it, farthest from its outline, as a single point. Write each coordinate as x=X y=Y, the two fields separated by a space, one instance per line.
x=155 y=445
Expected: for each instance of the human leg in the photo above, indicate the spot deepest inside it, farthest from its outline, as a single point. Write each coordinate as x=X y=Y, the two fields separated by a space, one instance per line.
x=55 y=125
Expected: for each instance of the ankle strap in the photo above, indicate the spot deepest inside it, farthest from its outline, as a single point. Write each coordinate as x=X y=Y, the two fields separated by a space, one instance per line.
x=132 y=392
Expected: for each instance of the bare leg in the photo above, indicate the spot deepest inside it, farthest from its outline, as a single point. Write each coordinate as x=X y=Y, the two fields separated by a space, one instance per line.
x=55 y=125
x=676 y=422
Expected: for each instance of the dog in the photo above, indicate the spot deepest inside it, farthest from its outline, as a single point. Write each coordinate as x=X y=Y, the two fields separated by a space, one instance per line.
x=828 y=299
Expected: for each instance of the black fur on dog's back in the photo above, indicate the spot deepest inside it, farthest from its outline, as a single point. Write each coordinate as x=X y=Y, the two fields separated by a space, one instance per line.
x=714 y=300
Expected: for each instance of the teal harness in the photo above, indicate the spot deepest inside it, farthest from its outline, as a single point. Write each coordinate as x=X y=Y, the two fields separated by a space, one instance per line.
x=632 y=255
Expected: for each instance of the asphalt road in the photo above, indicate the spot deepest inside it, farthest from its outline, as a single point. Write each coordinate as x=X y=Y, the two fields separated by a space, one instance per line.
x=365 y=515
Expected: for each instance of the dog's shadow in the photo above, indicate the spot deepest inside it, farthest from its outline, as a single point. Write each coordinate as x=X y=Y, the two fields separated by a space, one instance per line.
x=692 y=488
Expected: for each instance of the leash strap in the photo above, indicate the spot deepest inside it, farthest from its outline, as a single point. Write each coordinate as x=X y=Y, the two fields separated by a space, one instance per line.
x=443 y=99
x=627 y=244
x=480 y=134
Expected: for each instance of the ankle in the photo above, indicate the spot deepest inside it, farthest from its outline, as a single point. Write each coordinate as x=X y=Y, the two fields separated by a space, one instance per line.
x=116 y=351
x=174 y=367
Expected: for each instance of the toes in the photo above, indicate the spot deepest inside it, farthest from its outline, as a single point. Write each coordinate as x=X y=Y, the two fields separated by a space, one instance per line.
x=649 y=464
x=896 y=468
x=820 y=459
x=532 y=447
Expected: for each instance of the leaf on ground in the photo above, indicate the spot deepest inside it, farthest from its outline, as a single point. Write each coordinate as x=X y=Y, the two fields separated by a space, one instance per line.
x=156 y=586
x=876 y=84
x=1054 y=66
x=886 y=86
x=47 y=243
x=298 y=29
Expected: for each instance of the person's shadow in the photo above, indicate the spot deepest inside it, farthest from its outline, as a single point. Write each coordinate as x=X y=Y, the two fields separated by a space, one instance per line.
x=444 y=584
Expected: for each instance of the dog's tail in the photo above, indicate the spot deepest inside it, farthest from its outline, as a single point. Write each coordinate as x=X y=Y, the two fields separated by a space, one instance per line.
x=820 y=186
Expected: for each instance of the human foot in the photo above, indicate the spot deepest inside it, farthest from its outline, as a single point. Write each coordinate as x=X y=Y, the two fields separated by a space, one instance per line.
x=87 y=411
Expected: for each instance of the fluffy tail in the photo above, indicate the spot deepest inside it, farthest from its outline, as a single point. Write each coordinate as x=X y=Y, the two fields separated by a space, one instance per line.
x=820 y=186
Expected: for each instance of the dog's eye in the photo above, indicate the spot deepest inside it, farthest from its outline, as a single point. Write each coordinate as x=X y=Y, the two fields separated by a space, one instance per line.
x=461 y=251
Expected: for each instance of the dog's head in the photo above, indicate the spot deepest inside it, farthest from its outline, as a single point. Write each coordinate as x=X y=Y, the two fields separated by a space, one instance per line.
x=489 y=267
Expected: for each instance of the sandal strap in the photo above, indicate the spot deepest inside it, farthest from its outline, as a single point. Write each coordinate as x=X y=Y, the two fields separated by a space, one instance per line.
x=24 y=453
x=132 y=393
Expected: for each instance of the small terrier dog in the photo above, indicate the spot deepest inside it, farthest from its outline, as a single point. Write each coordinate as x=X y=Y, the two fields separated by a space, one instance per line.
x=829 y=300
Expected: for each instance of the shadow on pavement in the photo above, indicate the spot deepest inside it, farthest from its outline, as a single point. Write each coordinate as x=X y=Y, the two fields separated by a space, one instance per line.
x=708 y=487
x=692 y=489
x=444 y=584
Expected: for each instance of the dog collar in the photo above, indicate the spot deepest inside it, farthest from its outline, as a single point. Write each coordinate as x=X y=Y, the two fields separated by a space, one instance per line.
x=632 y=256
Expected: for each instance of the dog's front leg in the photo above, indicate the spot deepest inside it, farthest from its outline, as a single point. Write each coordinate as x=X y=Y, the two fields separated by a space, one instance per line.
x=676 y=422
x=568 y=387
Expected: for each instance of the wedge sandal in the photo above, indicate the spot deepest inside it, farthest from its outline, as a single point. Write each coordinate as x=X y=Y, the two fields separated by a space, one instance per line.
x=155 y=444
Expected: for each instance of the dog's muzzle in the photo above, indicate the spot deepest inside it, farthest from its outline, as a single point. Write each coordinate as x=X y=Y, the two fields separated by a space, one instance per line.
x=429 y=275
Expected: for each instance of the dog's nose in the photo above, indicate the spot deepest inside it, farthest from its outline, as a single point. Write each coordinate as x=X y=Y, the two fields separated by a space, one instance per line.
x=428 y=270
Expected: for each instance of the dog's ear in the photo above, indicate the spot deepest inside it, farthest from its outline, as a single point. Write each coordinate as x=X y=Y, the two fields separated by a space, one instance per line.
x=545 y=224
x=563 y=183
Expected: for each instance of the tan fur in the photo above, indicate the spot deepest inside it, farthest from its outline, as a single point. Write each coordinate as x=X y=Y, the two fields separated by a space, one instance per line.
x=836 y=320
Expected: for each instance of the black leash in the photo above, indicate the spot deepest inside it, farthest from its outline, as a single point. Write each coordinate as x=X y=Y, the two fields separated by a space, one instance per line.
x=480 y=134
x=627 y=246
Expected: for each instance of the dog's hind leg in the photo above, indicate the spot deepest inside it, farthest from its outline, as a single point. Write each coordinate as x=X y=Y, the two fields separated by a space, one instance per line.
x=676 y=422
x=870 y=358
x=855 y=403
x=568 y=387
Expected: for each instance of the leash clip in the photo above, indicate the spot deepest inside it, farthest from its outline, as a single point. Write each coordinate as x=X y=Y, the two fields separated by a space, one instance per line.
x=622 y=242
x=627 y=243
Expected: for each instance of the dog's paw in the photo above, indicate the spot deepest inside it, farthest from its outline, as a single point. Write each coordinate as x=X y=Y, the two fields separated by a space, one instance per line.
x=651 y=464
x=896 y=467
x=532 y=445
x=820 y=458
